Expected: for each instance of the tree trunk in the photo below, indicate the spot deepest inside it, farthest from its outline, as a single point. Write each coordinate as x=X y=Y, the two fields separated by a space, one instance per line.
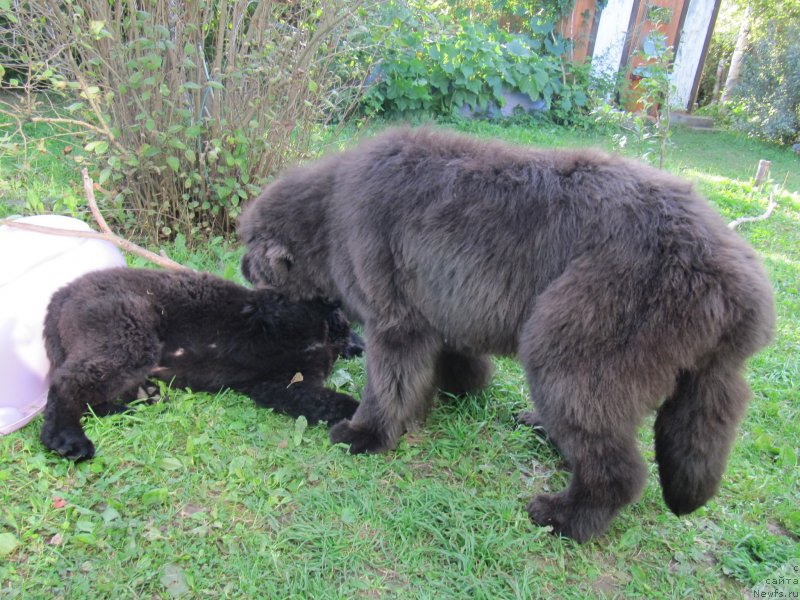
x=718 y=80
x=738 y=56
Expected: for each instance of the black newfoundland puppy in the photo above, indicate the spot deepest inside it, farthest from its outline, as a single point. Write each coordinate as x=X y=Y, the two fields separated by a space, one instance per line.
x=109 y=331
x=618 y=288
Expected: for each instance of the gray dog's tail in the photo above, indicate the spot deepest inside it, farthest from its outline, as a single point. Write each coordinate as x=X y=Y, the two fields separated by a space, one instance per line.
x=696 y=426
x=694 y=431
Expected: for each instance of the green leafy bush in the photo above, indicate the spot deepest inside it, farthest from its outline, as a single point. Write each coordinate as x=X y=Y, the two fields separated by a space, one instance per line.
x=436 y=65
x=184 y=109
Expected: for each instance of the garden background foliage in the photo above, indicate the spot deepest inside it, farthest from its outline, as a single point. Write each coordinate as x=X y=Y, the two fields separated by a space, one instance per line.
x=184 y=108
x=182 y=111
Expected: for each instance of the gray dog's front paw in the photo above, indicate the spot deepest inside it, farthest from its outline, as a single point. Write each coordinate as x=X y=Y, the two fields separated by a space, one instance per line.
x=361 y=440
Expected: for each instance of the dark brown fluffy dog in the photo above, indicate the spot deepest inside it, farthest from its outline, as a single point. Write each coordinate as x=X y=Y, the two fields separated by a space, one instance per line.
x=107 y=332
x=619 y=289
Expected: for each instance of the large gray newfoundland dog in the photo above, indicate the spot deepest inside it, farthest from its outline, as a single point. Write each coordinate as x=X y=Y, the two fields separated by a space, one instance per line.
x=618 y=288
x=108 y=331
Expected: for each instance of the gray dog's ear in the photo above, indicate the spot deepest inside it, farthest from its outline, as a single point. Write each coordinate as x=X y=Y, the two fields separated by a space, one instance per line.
x=280 y=263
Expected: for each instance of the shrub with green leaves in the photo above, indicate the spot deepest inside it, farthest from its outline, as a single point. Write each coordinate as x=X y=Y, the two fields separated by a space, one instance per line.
x=185 y=109
x=436 y=65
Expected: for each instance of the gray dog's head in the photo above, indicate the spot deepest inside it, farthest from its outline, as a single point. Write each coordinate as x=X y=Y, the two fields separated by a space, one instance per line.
x=269 y=263
x=266 y=264
x=285 y=236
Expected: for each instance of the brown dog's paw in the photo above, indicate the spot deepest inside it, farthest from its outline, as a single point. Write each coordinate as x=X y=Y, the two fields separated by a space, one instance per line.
x=568 y=518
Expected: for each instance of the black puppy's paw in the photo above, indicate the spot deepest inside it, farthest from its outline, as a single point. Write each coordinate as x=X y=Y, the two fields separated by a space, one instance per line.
x=70 y=443
x=337 y=407
x=361 y=440
x=109 y=408
x=355 y=346
x=149 y=391
x=326 y=405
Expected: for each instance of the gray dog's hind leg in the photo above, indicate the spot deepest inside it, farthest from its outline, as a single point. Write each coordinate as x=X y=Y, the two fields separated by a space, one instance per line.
x=591 y=388
x=600 y=444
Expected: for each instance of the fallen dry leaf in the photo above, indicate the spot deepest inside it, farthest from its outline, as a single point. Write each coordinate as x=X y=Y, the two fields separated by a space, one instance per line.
x=298 y=377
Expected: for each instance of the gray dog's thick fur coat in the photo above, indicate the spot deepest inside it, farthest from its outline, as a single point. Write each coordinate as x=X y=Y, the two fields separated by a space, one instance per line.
x=618 y=288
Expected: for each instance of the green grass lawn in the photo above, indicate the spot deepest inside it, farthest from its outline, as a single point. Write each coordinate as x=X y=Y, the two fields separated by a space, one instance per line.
x=207 y=496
